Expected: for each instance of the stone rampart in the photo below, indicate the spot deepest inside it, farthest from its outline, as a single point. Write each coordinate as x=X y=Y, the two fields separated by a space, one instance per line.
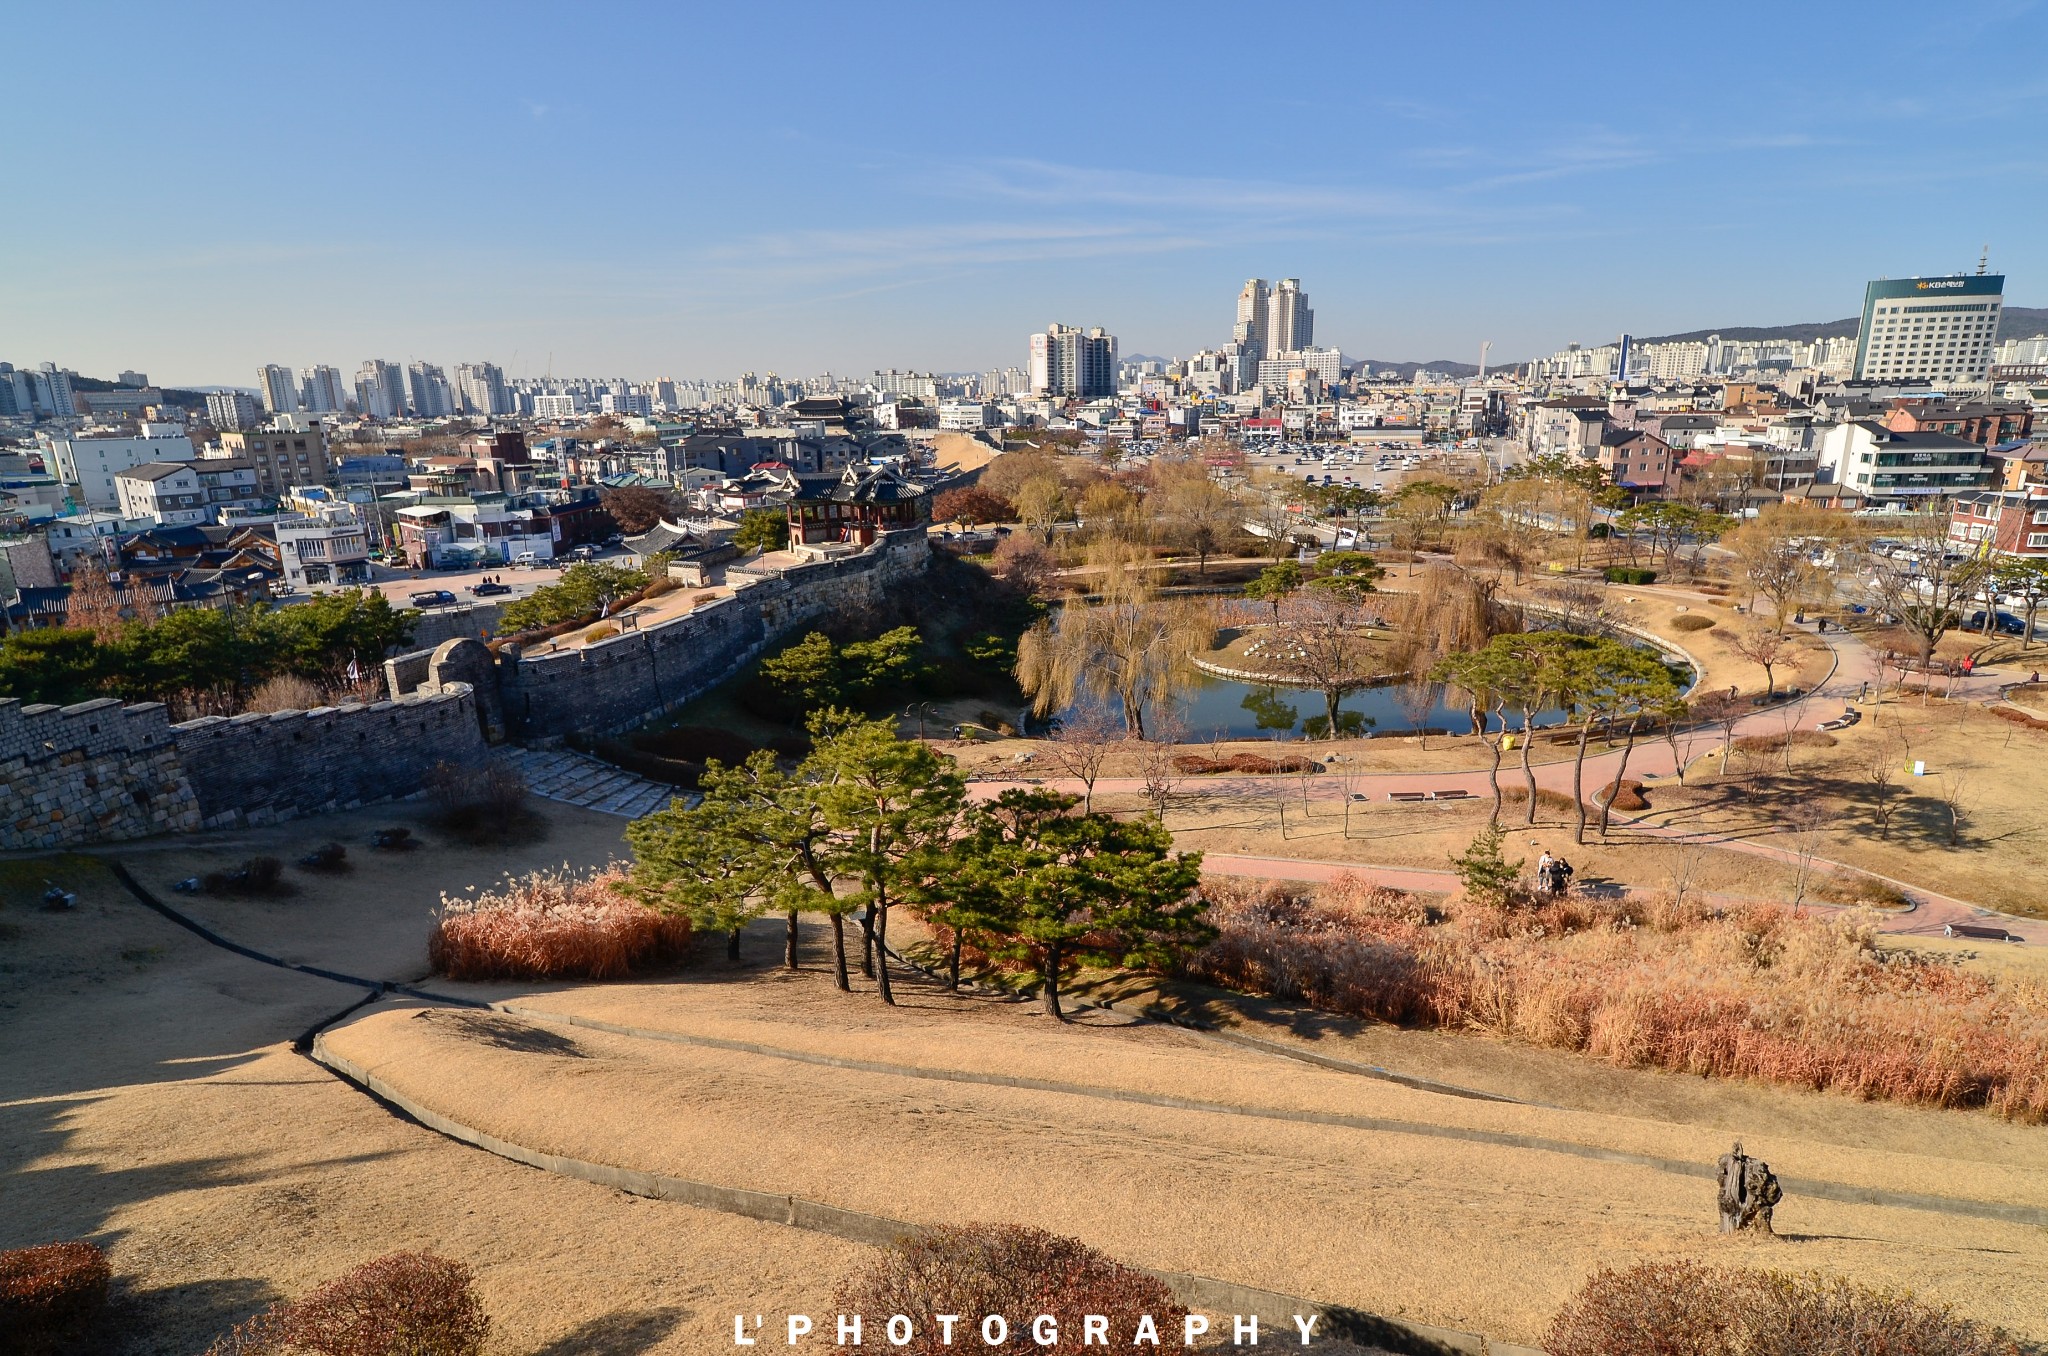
x=620 y=682
x=98 y=770
x=264 y=768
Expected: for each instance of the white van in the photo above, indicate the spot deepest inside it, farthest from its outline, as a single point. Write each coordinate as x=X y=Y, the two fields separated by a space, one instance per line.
x=527 y=560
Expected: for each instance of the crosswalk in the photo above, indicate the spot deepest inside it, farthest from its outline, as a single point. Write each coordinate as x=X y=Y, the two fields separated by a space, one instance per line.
x=577 y=779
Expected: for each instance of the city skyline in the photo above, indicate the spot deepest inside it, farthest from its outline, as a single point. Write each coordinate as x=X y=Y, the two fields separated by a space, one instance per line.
x=1431 y=206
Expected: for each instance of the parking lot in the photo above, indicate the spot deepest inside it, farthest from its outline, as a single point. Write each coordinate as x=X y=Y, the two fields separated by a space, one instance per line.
x=399 y=585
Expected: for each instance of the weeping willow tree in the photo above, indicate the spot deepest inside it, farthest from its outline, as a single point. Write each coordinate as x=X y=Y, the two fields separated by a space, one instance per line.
x=1122 y=643
x=1452 y=611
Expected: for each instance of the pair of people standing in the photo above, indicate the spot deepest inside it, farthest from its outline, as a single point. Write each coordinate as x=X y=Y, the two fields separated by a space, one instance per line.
x=1553 y=874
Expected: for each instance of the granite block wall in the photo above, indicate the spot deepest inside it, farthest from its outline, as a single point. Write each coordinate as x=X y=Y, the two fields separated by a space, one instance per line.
x=265 y=768
x=90 y=772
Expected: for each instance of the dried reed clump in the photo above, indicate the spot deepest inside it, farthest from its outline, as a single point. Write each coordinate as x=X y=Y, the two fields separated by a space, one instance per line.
x=1755 y=992
x=1019 y=1273
x=50 y=1294
x=1692 y=621
x=1659 y=1308
x=553 y=925
x=1197 y=764
x=403 y=1304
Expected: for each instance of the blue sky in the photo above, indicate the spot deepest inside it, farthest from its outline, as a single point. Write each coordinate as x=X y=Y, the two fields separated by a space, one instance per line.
x=696 y=190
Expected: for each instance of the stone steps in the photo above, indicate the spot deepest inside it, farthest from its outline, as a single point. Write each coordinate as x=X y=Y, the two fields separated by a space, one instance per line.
x=576 y=779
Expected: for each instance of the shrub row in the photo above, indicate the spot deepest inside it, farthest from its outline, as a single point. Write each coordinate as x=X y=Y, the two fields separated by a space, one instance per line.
x=405 y=1304
x=1691 y=621
x=1628 y=574
x=2019 y=717
x=1196 y=764
x=50 y=1294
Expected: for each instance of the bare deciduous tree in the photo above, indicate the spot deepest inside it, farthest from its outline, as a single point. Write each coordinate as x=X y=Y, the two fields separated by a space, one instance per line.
x=1885 y=761
x=1081 y=745
x=1763 y=647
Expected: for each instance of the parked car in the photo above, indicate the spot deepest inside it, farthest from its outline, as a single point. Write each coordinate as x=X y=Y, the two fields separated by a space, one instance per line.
x=489 y=589
x=2004 y=621
x=432 y=598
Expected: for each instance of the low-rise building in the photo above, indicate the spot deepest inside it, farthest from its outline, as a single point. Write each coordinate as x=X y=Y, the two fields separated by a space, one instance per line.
x=1903 y=468
x=1638 y=460
x=331 y=546
x=289 y=452
x=2007 y=523
x=165 y=492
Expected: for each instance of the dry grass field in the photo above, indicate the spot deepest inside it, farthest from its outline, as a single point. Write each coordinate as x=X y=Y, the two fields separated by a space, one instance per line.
x=150 y=1101
x=1988 y=767
x=1343 y=1212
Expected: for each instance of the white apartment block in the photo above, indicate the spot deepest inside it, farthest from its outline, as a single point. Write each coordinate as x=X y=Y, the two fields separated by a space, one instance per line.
x=89 y=462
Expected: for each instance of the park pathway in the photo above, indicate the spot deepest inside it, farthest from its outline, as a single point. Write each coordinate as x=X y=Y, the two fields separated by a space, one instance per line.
x=1854 y=673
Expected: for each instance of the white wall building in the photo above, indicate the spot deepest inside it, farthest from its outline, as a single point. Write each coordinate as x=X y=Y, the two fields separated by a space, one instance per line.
x=165 y=492
x=280 y=389
x=1929 y=329
x=968 y=416
x=330 y=546
x=89 y=462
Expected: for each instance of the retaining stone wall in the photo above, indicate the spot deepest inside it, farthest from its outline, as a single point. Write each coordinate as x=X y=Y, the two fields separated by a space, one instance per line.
x=467 y=621
x=261 y=769
x=618 y=683
x=97 y=770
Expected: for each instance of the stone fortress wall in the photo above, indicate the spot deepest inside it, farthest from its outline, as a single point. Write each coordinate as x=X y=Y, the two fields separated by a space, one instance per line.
x=97 y=770
x=263 y=768
x=618 y=683
x=100 y=771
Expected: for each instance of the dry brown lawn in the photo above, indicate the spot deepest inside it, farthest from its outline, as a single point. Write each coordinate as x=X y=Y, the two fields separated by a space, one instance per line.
x=1426 y=835
x=149 y=1101
x=1991 y=766
x=1338 y=1213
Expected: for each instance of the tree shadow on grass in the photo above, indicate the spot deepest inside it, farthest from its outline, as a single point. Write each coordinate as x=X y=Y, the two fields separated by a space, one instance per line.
x=626 y=1333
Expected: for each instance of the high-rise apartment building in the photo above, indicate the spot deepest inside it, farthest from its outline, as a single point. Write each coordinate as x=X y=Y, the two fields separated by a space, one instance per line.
x=481 y=388
x=230 y=409
x=380 y=389
x=431 y=397
x=1254 y=318
x=1067 y=362
x=1929 y=329
x=1290 y=324
x=280 y=389
x=321 y=391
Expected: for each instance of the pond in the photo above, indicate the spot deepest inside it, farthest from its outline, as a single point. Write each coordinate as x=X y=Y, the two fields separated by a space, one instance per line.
x=1225 y=708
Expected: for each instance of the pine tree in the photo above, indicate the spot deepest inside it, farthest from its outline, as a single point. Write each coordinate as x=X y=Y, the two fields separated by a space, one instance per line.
x=1058 y=890
x=1488 y=877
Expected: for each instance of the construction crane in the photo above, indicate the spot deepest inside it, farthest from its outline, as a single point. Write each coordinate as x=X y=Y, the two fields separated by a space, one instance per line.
x=1485 y=347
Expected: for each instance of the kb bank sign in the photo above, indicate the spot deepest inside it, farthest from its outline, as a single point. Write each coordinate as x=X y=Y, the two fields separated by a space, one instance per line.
x=1935 y=284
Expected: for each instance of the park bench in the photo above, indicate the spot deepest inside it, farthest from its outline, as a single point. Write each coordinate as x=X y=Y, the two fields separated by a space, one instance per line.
x=1843 y=721
x=1407 y=795
x=1989 y=934
x=1452 y=794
